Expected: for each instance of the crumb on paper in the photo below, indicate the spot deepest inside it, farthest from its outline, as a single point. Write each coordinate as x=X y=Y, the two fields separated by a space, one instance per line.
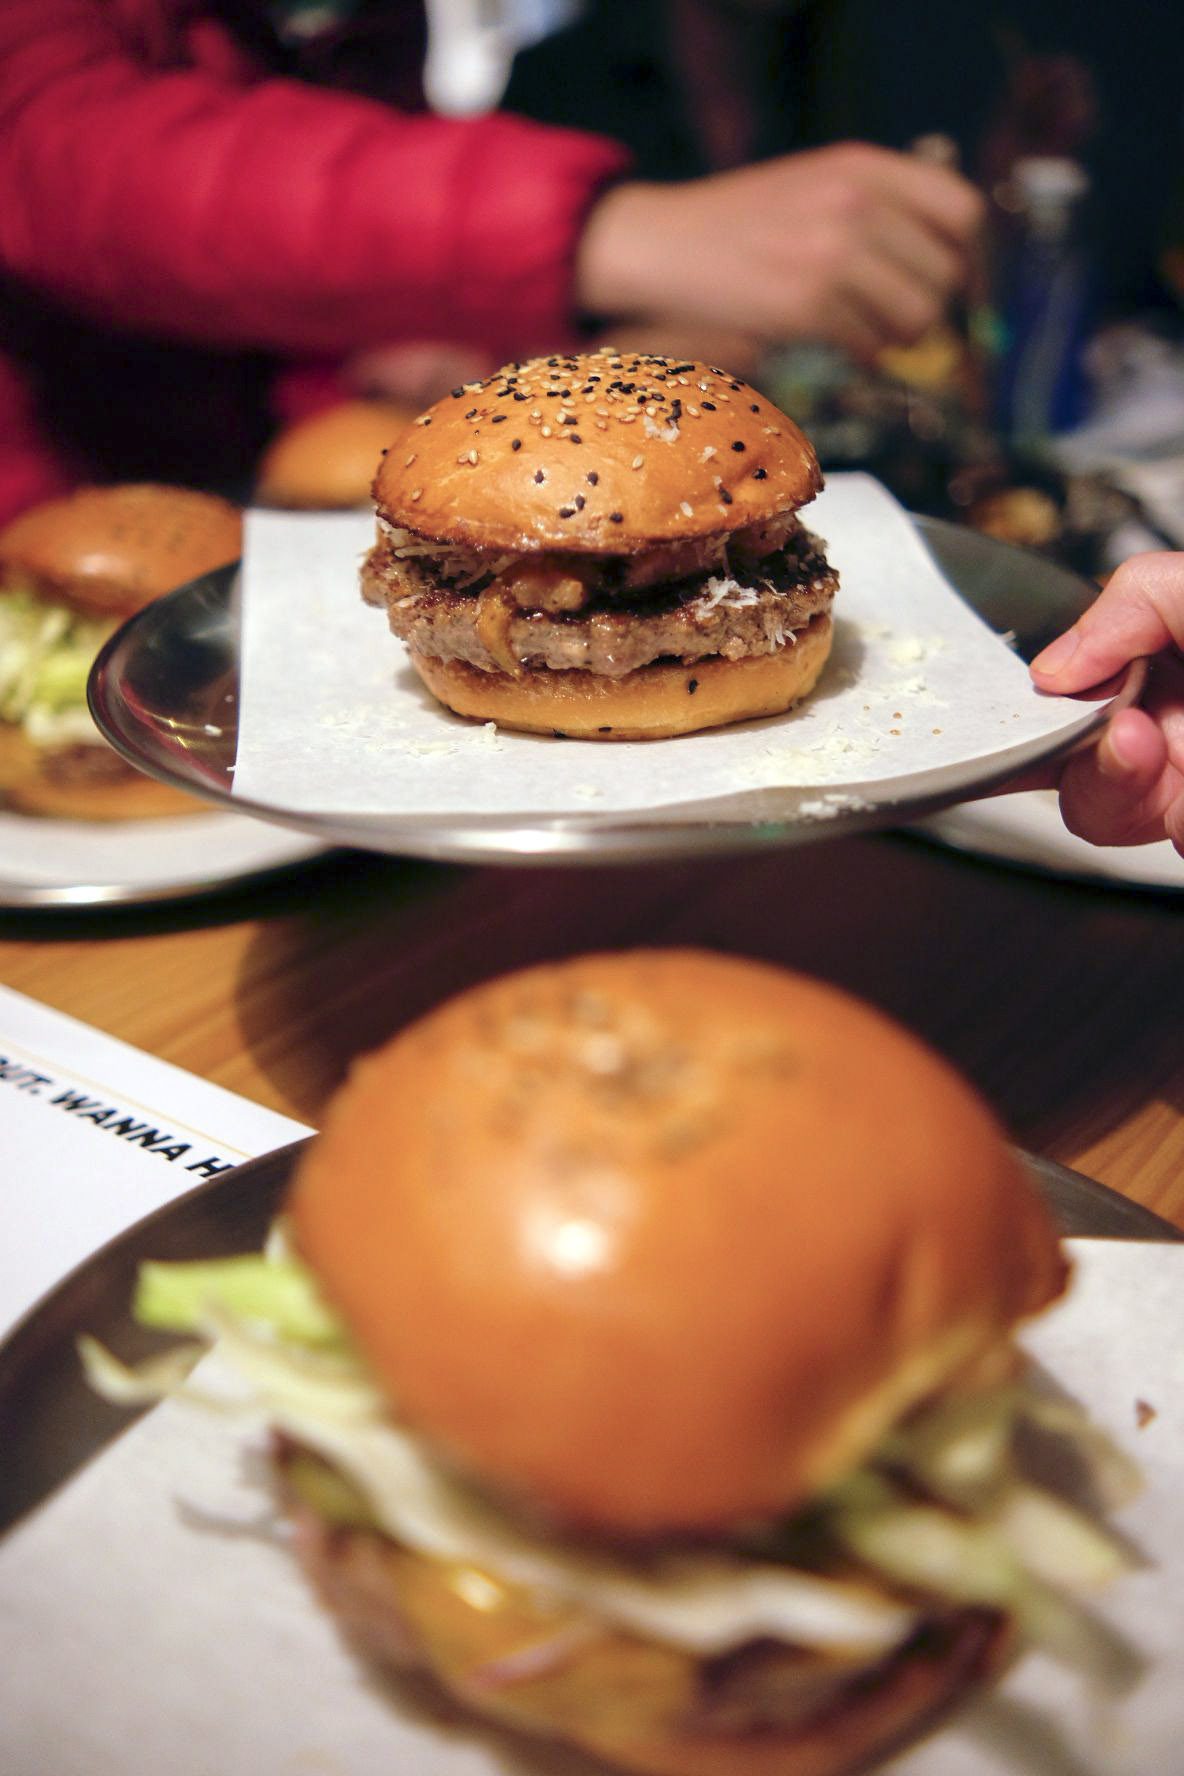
x=1145 y=1412
x=587 y=792
x=911 y=650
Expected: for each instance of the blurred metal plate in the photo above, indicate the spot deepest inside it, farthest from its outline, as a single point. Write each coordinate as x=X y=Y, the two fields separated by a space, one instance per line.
x=164 y=692
x=50 y=1420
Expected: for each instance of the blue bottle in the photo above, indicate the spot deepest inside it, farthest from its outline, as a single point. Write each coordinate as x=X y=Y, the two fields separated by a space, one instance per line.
x=1045 y=306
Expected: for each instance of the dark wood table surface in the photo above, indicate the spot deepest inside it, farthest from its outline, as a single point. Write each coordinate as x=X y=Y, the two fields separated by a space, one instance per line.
x=1062 y=1001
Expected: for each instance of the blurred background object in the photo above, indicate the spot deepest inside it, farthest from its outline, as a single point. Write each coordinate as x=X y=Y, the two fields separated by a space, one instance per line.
x=71 y=571
x=328 y=460
x=220 y=216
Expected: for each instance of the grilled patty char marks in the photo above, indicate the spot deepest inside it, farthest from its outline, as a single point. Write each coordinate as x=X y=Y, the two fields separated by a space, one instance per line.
x=737 y=604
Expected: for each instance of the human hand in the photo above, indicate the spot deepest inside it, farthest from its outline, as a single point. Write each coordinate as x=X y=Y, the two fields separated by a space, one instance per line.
x=851 y=244
x=1129 y=788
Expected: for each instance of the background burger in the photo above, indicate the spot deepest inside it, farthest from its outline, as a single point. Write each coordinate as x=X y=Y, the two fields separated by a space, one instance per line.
x=642 y=1367
x=604 y=546
x=328 y=460
x=71 y=571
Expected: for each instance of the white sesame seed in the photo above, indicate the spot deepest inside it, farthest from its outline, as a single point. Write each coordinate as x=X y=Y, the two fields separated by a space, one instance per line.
x=407 y=464
x=546 y=431
x=693 y=411
x=686 y=510
x=709 y=451
x=637 y=461
x=417 y=493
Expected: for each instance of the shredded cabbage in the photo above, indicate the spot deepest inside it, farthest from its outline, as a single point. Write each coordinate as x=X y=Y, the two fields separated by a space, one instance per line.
x=277 y=1292
x=46 y=652
x=940 y=1514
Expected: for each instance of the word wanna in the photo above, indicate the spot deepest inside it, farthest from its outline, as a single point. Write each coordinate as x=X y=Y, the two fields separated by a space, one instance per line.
x=109 y=1117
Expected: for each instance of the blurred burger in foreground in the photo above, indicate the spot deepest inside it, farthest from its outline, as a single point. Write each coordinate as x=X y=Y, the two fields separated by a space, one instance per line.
x=639 y=1360
x=328 y=460
x=604 y=547
x=71 y=571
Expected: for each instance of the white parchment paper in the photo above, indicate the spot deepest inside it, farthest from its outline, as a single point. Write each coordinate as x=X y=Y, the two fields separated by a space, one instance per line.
x=149 y=1622
x=332 y=719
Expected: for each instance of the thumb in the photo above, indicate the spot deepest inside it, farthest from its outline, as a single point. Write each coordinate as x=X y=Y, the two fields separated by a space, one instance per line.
x=1108 y=794
x=1140 y=612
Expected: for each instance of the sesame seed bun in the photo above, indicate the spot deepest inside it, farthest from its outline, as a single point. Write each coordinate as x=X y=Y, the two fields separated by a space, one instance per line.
x=665 y=1241
x=108 y=551
x=328 y=460
x=602 y=453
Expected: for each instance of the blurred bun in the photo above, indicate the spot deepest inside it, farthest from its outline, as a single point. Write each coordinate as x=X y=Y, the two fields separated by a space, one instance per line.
x=328 y=461
x=85 y=781
x=665 y=1241
x=108 y=551
x=99 y=556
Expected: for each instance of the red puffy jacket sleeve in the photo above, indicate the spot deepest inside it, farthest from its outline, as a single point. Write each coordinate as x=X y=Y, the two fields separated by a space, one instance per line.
x=266 y=213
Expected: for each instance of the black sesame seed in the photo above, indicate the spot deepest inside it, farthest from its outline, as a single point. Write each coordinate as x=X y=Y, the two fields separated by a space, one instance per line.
x=616 y=517
x=471 y=414
x=575 y=437
x=592 y=478
x=567 y=511
x=457 y=393
x=737 y=444
x=725 y=496
x=570 y=419
x=607 y=729
x=498 y=419
x=692 y=685
x=755 y=408
x=539 y=476
x=515 y=443
x=580 y=502
x=710 y=406
x=518 y=395
x=760 y=474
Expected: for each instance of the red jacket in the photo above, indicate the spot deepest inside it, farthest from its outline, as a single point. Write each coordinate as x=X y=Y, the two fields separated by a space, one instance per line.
x=174 y=219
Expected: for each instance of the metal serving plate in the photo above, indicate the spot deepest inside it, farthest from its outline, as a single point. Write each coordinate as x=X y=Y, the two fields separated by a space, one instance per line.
x=50 y=1420
x=164 y=692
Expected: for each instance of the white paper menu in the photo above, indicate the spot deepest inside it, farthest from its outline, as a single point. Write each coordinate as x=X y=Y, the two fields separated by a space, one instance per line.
x=95 y=1134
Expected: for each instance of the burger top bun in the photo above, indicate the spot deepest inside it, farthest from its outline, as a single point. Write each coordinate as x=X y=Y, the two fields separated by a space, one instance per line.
x=108 y=551
x=328 y=460
x=664 y=1240
x=605 y=453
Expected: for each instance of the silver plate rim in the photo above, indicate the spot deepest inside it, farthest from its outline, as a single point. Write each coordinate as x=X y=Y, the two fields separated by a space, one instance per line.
x=1035 y=595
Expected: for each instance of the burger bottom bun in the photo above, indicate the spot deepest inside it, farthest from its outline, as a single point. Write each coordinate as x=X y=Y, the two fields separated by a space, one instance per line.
x=653 y=703
x=349 y=1572
x=912 y=1698
x=82 y=782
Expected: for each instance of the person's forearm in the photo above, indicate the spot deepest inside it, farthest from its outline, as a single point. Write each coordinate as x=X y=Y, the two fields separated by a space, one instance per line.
x=272 y=215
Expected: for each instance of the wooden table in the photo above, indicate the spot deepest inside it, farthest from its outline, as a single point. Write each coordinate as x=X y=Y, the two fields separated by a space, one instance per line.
x=1062 y=1001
